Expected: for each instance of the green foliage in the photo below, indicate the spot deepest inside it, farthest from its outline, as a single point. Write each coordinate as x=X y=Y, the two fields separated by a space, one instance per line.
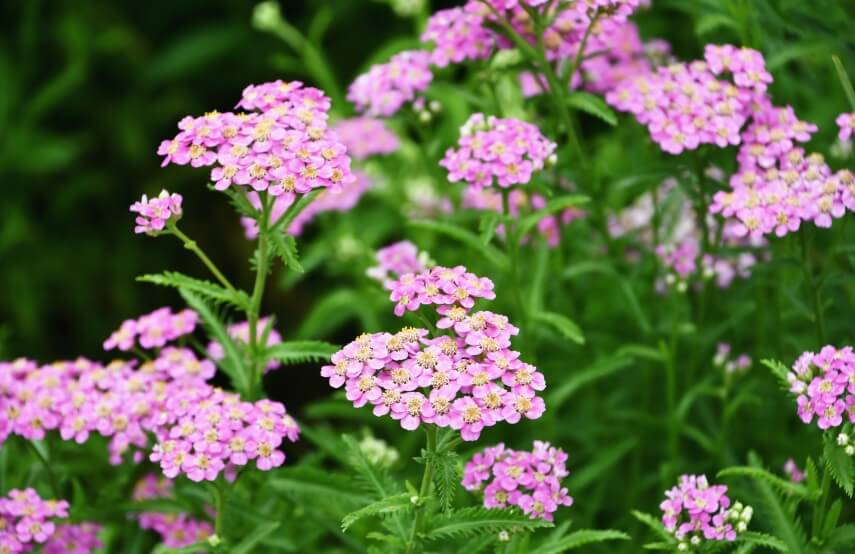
x=382 y=507
x=788 y=487
x=839 y=464
x=286 y=248
x=593 y=105
x=563 y=324
x=470 y=522
x=300 y=352
x=583 y=537
x=210 y=291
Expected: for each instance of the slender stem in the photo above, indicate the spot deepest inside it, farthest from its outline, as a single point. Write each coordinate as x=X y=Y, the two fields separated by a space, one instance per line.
x=844 y=80
x=424 y=490
x=819 y=512
x=191 y=245
x=219 y=493
x=580 y=54
x=812 y=289
x=252 y=314
x=54 y=484
x=512 y=247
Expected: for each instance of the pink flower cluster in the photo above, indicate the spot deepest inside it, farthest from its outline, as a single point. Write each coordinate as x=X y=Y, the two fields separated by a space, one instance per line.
x=723 y=360
x=792 y=470
x=72 y=538
x=458 y=34
x=203 y=431
x=387 y=87
x=530 y=481
x=365 y=137
x=502 y=151
x=152 y=330
x=846 y=123
x=154 y=213
x=81 y=398
x=26 y=520
x=175 y=530
x=467 y=380
x=825 y=386
x=549 y=227
x=331 y=200
x=240 y=333
x=281 y=147
x=396 y=260
x=695 y=511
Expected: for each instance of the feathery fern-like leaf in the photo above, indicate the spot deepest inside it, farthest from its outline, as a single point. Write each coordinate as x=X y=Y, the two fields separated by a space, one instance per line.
x=210 y=291
x=301 y=351
x=788 y=487
x=840 y=465
x=384 y=506
x=583 y=537
x=470 y=522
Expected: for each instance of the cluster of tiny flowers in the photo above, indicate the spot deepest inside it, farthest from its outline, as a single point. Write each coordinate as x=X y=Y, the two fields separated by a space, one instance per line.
x=154 y=213
x=549 y=227
x=846 y=123
x=530 y=481
x=396 y=260
x=175 y=530
x=844 y=439
x=378 y=451
x=695 y=511
x=467 y=380
x=825 y=386
x=69 y=538
x=342 y=199
x=240 y=333
x=283 y=146
x=365 y=137
x=81 y=398
x=152 y=330
x=387 y=87
x=26 y=520
x=458 y=35
x=723 y=360
x=792 y=470
x=681 y=238
x=204 y=431
x=498 y=151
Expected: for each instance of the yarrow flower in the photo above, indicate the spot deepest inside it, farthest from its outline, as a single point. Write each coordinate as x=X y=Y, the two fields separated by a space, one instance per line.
x=723 y=360
x=153 y=330
x=695 y=511
x=846 y=123
x=282 y=147
x=386 y=88
x=467 y=379
x=458 y=35
x=530 y=481
x=824 y=385
x=69 y=538
x=155 y=213
x=792 y=470
x=240 y=333
x=396 y=260
x=175 y=530
x=365 y=137
x=26 y=520
x=491 y=150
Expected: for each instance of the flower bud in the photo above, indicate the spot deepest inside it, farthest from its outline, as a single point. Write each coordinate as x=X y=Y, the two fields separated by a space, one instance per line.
x=266 y=16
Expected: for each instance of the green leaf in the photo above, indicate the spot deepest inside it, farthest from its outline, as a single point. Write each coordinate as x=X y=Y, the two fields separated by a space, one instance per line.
x=211 y=291
x=598 y=370
x=335 y=309
x=301 y=351
x=762 y=539
x=301 y=204
x=783 y=521
x=842 y=536
x=839 y=464
x=311 y=482
x=464 y=236
x=584 y=537
x=632 y=301
x=470 y=522
x=388 y=505
x=231 y=363
x=655 y=525
x=285 y=247
x=712 y=21
x=257 y=536
x=593 y=105
x=527 y=223
x=446 y=477
x=563 y=324
x=487 y=226
x=779 y=370
x=784 y=485
x=195 y=548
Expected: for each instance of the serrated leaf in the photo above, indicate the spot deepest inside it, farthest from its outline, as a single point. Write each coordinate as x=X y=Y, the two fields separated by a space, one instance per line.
x=789 y=487
x=231 y=363
x=782 y=521
x=301 y=351
x=285 y=247
x=388 y=505
x=493 y=254
x=255 y=537
x=316 y=483
x=779 y=370
x=762 y=539
x=842 y=536
x=446 y=477
x=584 y=537
x=207 y=289
x=840 y=465
x=284 y=222
x=470 y=522
x=593 y=105
x=563 y=324
x=655 y=525
x=527 y=223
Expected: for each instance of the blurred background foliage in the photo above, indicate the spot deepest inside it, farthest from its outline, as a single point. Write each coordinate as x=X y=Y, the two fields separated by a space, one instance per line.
x=88 y=90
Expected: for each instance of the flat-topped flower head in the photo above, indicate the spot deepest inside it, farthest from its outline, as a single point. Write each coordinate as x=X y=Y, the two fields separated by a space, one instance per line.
x=458 y=35
x=152 y=330
x=695 y=511
x=153 y=214
x=529 y=480
x=175 y=530
x=28 y=520
x=366 y=136
x=824 y=385
x=74 y=538
x=495 y=151
x=386 y=88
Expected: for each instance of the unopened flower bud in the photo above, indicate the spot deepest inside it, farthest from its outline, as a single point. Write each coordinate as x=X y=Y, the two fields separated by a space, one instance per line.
x=435 y=106
x=842 y=439
x=266 y=16
x=683 y=547
x=504 y=536
x=425 y=116
x=214 y=541
x=850 y=450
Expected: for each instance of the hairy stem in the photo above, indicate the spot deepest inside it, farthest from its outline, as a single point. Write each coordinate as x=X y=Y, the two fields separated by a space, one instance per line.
x=191 y=245
x=252 y=314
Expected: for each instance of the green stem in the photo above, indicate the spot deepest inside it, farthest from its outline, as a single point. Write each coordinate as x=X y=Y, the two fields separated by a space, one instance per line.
x=512 y=247
x=54 y=484
x=424 y=490
x=577 y=62
x=819 y=512
x=219 y=493
x=191 y=245
x=252 y=314
x=812 y=290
